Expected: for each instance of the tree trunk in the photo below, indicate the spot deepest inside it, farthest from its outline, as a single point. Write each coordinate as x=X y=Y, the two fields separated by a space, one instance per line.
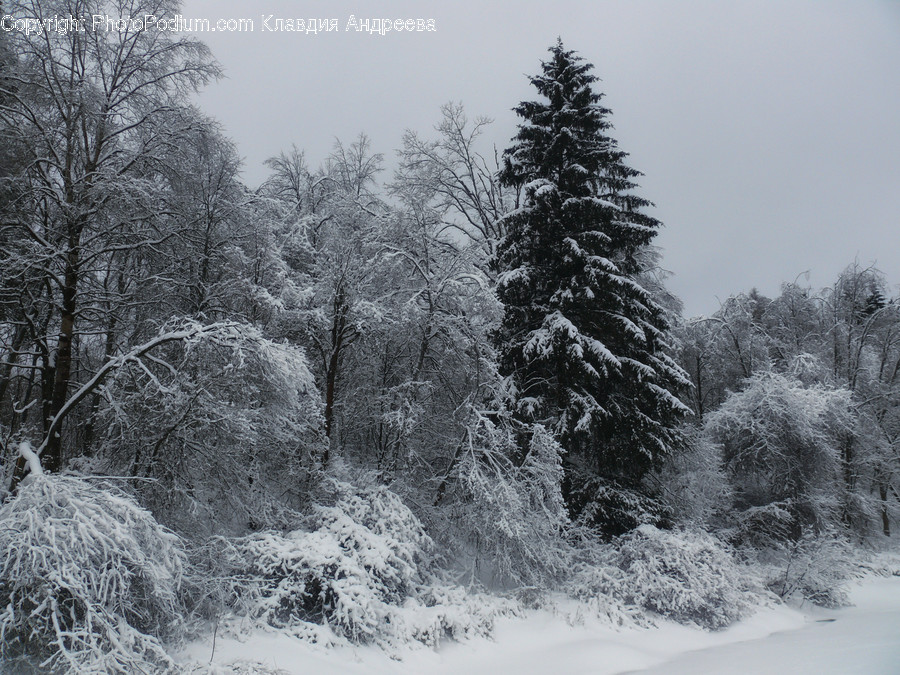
x=14 y=347
x=88 y=439
x=338 y=332
x=51 y=458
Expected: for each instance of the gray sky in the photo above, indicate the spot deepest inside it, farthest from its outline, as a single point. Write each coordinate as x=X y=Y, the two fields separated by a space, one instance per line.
x=768 y=131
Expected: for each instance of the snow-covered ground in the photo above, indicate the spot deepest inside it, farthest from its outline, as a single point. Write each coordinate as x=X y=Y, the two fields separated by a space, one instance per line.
x=860 y=639
x=863 y=640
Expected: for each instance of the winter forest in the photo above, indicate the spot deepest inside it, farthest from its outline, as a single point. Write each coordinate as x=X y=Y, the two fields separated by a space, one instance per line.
x=387 y=410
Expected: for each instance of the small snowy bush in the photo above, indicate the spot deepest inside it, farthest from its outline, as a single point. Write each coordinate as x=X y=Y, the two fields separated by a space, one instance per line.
x=89 y=580
x=816 y=568
x=221 y=423
x=239 y=667
x=510 y=520
x=358 y=557
x=762 y=527
x=593 y=581
x=609 y=508
x=358 y=572
x=781 y=443
x=695 y=486
x=685 y=576
x=440 y=612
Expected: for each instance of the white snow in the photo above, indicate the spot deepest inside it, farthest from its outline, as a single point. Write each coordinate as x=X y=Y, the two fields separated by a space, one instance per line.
x=860 y=639
x=31 y=458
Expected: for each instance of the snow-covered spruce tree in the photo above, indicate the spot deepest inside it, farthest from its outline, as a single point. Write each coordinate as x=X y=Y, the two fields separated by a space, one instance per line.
x=583 y=342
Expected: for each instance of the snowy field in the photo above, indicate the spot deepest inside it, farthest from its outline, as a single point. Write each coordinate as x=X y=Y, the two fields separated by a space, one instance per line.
x=862 y=639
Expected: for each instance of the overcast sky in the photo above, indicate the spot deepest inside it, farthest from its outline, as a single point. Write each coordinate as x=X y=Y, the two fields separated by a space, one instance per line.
x=768 y=132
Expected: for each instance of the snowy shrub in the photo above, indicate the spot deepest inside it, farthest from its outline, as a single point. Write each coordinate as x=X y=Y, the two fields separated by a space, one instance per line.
x=694 y=485
x=440 y=612
x=221 y=424
x=237 y=667
x=511 y=520
x=609 y=508
x=89 y=580
x=817 y=568
x=761 y=527
x=780 y=442
x=885 y=563
x=357 y=572
x=688 y=577
x=241 y=667
x=356 y=561
x=592 y=581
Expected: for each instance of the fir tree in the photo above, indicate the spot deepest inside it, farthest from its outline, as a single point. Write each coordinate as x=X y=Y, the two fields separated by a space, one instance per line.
x=584 y=344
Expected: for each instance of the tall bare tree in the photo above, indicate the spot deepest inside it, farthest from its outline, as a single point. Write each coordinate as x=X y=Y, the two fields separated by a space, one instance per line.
x=96 y=112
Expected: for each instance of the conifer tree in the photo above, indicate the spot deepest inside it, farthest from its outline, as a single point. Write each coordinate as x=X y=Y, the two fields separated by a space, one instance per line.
x=584 y=344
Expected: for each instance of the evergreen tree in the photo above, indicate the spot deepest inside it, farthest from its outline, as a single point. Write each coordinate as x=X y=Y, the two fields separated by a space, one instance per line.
x=584 y=343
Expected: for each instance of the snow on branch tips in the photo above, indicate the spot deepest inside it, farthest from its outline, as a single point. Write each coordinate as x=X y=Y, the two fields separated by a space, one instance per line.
x=90 y=580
